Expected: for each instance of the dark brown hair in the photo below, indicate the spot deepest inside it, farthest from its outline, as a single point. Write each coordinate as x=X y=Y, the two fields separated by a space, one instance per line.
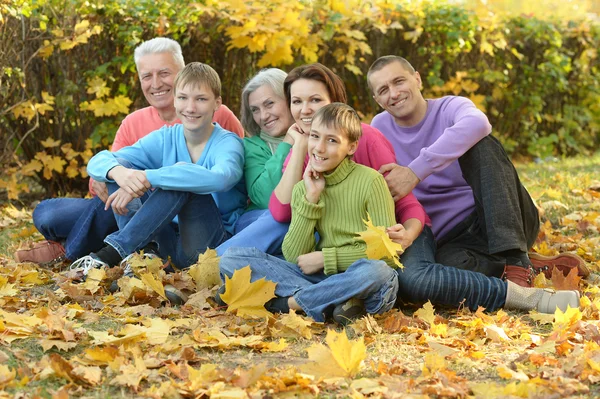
x=319 y=72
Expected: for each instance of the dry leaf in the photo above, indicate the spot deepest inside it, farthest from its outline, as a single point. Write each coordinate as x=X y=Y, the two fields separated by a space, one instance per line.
x=340 y=358
x=570 y=282
x=379 y=244
x=206 y=272
x=246 y=298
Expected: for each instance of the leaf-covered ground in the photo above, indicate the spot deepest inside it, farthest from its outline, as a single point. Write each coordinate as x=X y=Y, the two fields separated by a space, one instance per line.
x=77 y=340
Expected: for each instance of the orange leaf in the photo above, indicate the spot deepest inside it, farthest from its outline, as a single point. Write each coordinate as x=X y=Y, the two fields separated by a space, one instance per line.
x=570 y=282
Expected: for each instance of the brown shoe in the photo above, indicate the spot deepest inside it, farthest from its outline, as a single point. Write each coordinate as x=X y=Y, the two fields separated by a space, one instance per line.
x=563 y=262
x=43 y=253
x=519 y=275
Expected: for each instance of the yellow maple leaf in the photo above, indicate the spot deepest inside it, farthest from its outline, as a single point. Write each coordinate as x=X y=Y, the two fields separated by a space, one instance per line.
x=293 y=325
x=6 y=288
x=97 y=85
x=93 y=279
x=50 y=143
x=340 y=358
x=153 y=283
x=566 y=319
x=426 y=313
x=6 y=375
x=205 y=272
x=379 y=244
x=247 y=298
x=432 y=363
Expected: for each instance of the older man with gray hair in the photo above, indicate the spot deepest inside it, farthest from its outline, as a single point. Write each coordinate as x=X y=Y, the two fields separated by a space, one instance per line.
x=74 y=227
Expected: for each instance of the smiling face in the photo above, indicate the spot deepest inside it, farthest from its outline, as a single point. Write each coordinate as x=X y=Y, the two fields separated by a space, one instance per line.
x=195 y=106
x=398 y=91
x=157 y=73
x=269 y=111
x=327 y=147
x=306 y=97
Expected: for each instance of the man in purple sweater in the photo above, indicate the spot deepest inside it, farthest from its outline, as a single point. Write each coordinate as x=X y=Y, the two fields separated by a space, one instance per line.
x=483 y=218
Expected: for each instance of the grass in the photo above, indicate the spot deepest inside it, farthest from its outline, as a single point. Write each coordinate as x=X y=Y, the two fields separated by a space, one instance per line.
x=560 y=187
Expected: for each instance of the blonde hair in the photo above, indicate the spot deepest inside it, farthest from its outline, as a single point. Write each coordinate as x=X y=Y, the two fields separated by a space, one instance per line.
x=198 y=74
x=340 y=116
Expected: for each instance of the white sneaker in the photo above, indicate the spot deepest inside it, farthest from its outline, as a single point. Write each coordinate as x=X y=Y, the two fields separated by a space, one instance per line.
x=87 y=263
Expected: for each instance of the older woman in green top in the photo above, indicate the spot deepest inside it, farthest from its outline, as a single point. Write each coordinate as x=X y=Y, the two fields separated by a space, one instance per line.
x=266 y=119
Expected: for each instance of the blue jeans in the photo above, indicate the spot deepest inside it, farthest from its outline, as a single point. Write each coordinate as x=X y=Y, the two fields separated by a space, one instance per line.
x=82 y=224
x=422 y=280
x=150 y=219
x=257 y=229
x=370 y=280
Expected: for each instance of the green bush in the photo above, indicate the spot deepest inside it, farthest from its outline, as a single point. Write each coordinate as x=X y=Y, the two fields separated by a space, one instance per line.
x=67 y=76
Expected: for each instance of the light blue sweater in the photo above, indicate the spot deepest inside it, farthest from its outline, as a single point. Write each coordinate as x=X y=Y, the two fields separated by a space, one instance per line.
x=163 y=154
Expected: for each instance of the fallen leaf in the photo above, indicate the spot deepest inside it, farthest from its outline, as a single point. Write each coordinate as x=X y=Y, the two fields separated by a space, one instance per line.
x=340 y=358
x=246 y=298
x=379 y=244
x=206 y=272
x=570 y=282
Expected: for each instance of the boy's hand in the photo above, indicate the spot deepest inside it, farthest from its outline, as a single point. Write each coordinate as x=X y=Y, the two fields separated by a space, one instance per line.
x=400 y=235
x=100 y=190
x=314 y=183
x=401 y=180
x=133 y=181
x=118 y=201
x=311 y=263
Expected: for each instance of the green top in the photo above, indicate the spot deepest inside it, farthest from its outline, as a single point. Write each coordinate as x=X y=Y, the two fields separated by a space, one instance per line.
x=350 y=192
x=262 y=170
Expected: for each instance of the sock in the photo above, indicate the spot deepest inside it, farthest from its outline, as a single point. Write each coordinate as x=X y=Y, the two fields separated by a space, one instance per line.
x=109 y=255
x=278 y=305
x=151 y=248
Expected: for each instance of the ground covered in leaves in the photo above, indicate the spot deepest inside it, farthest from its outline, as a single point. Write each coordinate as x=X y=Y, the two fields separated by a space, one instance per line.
x=62 y=340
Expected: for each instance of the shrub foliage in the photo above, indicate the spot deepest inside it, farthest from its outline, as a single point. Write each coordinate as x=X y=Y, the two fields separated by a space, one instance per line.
x=67 y=76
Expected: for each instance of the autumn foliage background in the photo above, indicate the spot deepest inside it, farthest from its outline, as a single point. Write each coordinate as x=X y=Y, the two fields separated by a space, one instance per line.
x=67 y=79
x=67 y=76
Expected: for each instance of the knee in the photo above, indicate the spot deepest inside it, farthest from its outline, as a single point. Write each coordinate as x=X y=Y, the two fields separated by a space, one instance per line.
x=43 y=216
x=378 y=272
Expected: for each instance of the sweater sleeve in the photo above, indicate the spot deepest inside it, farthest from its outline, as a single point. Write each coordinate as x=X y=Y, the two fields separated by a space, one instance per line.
x=380 y=207
x=377 y=151
x=300 y=238
x=262 y=169
x=226 y=170
x=467 y=126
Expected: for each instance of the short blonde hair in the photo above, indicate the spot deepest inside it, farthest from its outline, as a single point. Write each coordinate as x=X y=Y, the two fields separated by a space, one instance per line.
x=198 y=74
x=342 y=117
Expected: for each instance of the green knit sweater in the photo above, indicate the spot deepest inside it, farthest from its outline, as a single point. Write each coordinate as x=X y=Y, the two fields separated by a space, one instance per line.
x=262 y=170
x=350 y=192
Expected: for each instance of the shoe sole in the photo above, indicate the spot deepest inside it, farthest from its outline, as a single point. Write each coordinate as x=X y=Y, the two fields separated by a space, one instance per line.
x=581 y=266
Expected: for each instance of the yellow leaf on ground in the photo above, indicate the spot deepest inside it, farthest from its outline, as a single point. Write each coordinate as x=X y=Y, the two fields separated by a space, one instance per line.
x=426 y=313
x=247 y=298
x=566 y=319
x=340 y=358
x=206 y=271
x=153 y=283
x=379 y=244
x=433 y=362
x=6 y=375
x=91 y=375
x=570 y=282
x=48 y=344
x=293 y=325
x=93 y=279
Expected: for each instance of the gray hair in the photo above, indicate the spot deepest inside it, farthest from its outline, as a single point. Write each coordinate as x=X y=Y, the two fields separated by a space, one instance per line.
x=273 y=77
x=159 y=45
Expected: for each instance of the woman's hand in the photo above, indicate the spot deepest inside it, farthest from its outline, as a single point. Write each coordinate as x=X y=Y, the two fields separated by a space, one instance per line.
x=296 y=137
x=314 y=183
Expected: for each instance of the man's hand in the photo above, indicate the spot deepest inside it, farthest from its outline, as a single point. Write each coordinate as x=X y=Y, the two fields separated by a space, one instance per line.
x=133 y=181
x=311 y=263
x=314 y=183
x=118 y=201
x=400 y=235
x=100 y=190
x=401 y=180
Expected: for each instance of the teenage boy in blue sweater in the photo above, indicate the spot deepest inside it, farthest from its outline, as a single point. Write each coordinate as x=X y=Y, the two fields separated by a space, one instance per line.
x=192 y=171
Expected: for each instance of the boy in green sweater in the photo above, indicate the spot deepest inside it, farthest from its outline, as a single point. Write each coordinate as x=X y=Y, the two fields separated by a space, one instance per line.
x=331 y=276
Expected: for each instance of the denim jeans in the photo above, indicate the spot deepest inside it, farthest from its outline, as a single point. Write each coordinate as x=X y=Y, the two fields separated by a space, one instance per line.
x=505 y=217
x=370 y=280
x=150 y=218
x=422 y=280
x=257 y=229
x=80 y=223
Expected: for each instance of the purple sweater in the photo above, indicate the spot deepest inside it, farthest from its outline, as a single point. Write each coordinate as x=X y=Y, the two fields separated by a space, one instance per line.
x=431 y=148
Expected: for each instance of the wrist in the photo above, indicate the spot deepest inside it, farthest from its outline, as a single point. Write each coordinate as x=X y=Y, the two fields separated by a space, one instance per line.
x=114 y=171
x=313 y=198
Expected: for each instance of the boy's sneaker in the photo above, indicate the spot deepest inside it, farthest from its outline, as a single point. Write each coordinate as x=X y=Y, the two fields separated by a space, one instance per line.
x=349 y=311
x=127 y=270
x=87 y=263
x=174 y=295
x=44 y=253
x=563 y=262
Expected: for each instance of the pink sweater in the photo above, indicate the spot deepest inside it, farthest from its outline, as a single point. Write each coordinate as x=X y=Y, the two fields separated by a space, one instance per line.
x=374 y=150
x=146 y=120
